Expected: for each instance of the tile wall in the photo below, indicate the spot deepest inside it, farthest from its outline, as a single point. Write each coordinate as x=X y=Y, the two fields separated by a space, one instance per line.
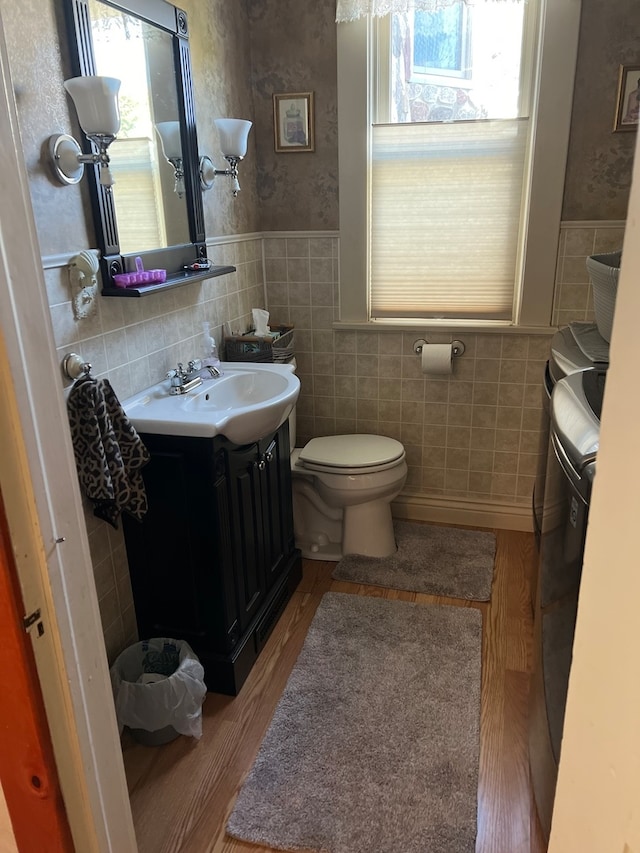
x=473 y=435
x=470 y=437
x=134 y=342
x=578 y=240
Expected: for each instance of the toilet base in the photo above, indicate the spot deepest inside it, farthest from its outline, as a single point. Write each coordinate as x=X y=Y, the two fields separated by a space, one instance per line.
x=317 y=527
x=331 y=552
x=338 y=514
x=368 y=530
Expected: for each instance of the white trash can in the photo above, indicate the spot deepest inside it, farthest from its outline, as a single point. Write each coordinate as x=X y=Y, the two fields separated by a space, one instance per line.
x=158 y=689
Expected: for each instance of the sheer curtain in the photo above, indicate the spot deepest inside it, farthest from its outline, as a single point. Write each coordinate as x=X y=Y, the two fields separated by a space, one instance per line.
x=351 y=10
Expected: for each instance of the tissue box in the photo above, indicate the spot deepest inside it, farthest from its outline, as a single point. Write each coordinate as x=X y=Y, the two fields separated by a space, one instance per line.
x=251 y=348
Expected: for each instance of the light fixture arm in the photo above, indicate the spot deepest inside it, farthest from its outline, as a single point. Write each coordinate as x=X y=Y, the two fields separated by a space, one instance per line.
x=178 y=174
x=69 y=160
x=102 y=141
x=208 y=172
x=232 y=172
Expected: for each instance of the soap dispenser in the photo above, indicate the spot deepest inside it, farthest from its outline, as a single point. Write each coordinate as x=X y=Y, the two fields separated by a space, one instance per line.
x=210 y=357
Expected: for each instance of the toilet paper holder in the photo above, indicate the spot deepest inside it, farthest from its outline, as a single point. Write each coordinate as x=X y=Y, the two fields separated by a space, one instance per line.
x=457 y=347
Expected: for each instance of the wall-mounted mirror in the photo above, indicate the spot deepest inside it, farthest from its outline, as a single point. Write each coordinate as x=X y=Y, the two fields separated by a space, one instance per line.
x=154 y=210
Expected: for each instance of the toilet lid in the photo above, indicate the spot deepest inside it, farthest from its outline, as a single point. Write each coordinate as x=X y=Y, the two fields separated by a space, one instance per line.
x=351 y=451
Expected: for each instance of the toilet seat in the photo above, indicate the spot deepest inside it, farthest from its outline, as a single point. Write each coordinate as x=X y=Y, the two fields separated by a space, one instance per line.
x=351 y=454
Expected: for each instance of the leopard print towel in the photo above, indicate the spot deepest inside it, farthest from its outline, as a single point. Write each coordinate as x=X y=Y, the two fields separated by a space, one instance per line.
x=109 y=452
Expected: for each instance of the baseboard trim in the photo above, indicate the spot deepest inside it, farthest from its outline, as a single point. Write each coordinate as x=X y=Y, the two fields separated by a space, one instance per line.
x=473 y=513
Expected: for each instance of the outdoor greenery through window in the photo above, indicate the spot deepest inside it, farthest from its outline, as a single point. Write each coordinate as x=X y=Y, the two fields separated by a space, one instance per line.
x=449 y=151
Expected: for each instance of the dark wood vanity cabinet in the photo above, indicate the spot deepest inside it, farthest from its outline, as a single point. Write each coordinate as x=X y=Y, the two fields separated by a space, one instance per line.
x=214 y=561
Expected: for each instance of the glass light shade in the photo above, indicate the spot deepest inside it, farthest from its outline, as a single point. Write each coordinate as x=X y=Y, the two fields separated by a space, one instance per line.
x=169 y=133
x=96 y=102
x=234 y=133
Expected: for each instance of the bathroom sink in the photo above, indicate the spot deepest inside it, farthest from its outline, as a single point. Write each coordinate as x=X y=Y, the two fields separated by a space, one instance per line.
x=236 y=390
x=246 y=403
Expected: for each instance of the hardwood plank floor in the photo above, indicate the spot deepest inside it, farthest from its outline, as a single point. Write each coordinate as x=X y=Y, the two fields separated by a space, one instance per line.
x=182 y=793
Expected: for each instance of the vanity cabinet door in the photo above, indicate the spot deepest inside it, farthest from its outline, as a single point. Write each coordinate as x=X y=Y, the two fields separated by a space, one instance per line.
x=247 y=528
x=262 y=517
x=277 y=503
x=180 y=555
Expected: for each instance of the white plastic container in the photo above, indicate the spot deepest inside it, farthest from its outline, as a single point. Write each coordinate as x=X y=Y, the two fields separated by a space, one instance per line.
x=210 y=357
x=603 y=273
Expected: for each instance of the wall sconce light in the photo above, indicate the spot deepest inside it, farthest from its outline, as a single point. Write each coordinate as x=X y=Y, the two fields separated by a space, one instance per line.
x=234 y=133
x=96 y=103
x=169 y=133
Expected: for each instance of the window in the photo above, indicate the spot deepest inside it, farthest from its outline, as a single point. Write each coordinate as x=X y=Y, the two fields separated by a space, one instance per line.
x=452 y=163
x=440 y=41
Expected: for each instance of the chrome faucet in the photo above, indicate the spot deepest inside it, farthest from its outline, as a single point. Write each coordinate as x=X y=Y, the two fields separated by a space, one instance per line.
x=183 y=381
x=198 y=368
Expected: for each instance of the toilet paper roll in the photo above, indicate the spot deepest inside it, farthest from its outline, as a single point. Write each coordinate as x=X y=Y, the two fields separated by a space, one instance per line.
x=437 y=359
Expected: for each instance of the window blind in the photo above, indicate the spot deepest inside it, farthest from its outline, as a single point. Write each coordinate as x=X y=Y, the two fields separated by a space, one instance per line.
x=136 y=196
x=445 y=218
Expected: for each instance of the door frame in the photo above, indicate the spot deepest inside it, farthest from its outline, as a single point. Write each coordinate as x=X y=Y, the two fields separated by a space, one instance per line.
x=27 y=766
x=46 y=522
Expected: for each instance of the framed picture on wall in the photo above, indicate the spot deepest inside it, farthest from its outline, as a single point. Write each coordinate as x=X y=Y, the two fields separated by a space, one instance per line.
x=293 y=122
x=628 y=102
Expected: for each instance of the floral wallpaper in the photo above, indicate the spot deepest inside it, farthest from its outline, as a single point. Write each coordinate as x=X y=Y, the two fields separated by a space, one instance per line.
x=599 y=161
x=220 y=45
x=243 y=52
x=39 y=64
x=294 y=50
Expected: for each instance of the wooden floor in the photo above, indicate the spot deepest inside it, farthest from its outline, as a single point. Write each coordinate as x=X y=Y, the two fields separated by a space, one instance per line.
x=182 y=793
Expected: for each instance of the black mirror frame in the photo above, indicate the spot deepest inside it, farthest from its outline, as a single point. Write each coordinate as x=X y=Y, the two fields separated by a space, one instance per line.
x=169 y=18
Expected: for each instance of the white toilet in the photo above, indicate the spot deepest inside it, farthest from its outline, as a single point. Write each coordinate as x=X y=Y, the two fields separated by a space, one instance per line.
x=343 y=486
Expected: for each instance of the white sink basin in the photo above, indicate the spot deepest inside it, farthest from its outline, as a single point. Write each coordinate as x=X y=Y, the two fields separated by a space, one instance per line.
x=246 y=403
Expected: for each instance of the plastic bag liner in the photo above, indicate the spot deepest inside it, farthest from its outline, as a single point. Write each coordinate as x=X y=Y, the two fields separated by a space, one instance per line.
x=175 y=700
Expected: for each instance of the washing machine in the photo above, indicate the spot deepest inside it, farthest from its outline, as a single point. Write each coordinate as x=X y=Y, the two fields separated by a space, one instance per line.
x=576 y=347
x=576 y=403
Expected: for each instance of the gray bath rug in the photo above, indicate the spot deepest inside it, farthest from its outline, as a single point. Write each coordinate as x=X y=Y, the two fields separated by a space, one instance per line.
x=437 y=560
x=374 y=745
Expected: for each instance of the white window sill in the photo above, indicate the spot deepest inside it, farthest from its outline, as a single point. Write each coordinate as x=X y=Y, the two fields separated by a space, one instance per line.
x=489 y=328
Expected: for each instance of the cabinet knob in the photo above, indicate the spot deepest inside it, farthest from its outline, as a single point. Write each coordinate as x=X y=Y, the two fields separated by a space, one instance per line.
x=260 y=464
x=268 y=456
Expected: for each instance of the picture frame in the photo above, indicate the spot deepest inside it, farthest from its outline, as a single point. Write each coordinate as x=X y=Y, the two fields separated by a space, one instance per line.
x=293 y=122
x=628 y=100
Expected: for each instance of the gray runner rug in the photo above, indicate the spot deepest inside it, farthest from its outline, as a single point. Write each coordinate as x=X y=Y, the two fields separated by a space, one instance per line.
x=438 y=560
x=374 y=745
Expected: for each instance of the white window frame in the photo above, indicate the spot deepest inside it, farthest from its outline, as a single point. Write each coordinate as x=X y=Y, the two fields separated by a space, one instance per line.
x=551 y=109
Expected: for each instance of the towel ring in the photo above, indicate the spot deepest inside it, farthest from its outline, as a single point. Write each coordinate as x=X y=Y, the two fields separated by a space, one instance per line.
x=74 y=367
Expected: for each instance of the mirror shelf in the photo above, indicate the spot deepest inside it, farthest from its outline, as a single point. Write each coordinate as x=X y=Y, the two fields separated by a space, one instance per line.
x=175 y=280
